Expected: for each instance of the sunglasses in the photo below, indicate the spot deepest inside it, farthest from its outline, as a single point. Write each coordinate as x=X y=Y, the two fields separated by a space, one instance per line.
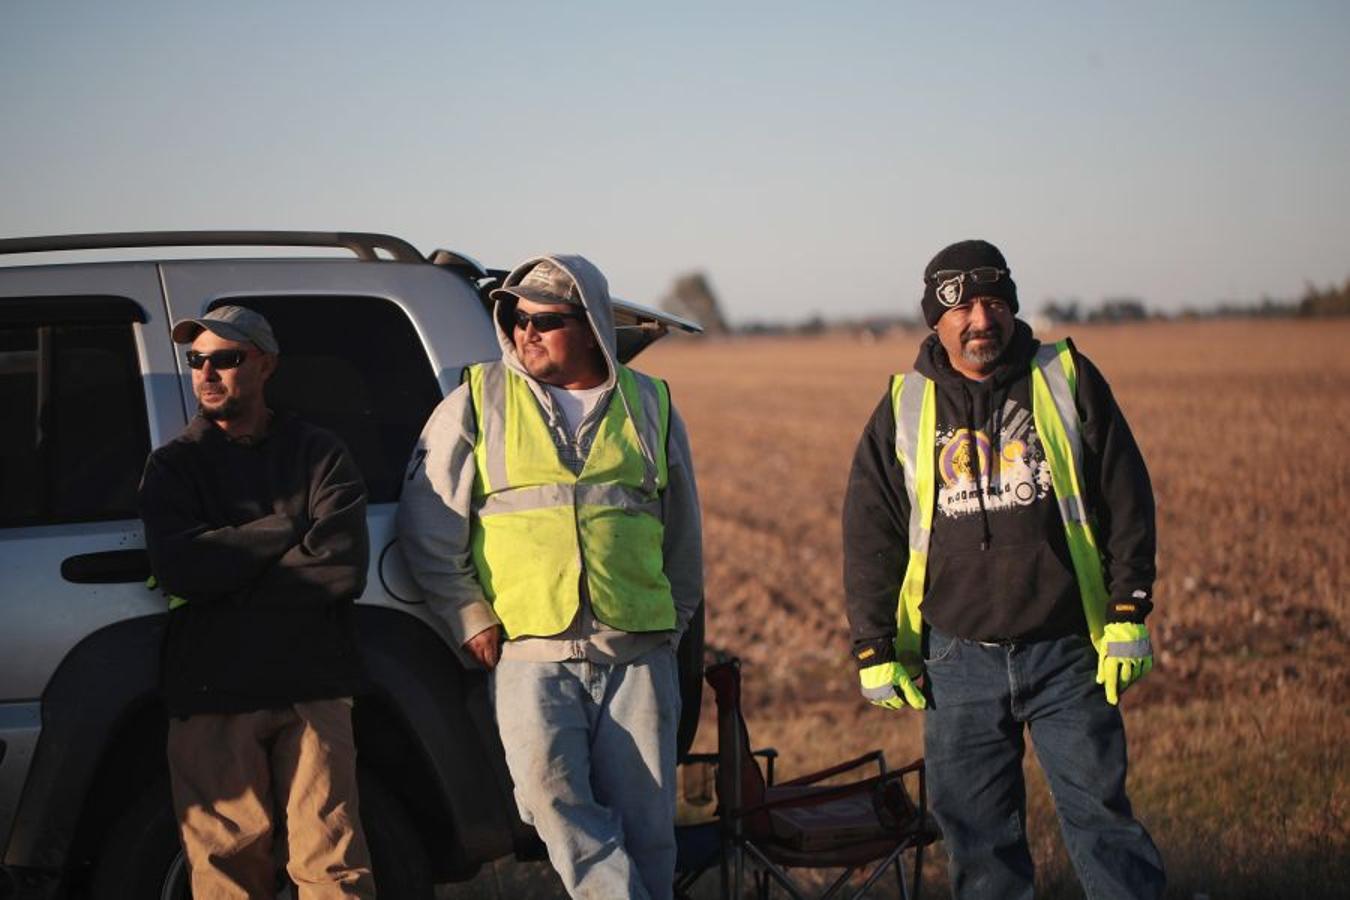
x=219 y=359
x=981 y=275
x=544 y=321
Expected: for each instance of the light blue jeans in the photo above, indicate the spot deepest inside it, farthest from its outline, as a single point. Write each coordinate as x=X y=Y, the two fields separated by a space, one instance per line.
x=591 y=749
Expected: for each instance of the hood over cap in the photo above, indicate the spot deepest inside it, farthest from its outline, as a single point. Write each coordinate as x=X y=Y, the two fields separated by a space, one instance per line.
x=557 y=278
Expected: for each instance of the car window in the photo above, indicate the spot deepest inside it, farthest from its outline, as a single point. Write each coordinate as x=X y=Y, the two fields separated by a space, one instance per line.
x=75 y=436
x=355 y=366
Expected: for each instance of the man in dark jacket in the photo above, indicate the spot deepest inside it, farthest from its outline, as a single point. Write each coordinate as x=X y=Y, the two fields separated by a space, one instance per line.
x=999 y=564
x=255 y=524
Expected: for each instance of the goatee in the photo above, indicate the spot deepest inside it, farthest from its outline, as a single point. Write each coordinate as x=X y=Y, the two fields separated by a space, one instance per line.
x=221 y=413
x=991 y=346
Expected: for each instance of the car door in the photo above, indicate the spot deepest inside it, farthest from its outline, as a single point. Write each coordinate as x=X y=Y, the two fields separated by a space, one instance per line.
x=85 y=392
x=367 y=351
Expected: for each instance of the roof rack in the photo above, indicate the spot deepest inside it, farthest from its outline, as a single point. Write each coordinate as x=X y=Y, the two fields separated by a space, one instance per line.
x=363 y=244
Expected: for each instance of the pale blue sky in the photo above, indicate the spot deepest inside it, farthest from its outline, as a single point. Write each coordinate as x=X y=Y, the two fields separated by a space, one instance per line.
x=810 y=157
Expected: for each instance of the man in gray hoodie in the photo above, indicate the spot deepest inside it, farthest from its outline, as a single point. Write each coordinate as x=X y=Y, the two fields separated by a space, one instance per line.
x=550 y=514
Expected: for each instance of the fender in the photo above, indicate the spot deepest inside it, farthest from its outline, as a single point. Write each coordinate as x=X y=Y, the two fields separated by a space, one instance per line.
x=442 y=710
x=690 y=657
x=107 y=678
x=102 y=741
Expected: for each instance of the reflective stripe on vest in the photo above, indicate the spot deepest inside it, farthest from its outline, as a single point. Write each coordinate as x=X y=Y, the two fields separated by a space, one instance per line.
x=537 y=527
x=914 y=401
x=1054 y=380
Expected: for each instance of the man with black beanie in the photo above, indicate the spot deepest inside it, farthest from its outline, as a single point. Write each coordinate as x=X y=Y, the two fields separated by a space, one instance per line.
x=998 y=564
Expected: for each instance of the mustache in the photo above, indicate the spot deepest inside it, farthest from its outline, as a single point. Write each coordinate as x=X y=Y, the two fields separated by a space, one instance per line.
x=989 y=334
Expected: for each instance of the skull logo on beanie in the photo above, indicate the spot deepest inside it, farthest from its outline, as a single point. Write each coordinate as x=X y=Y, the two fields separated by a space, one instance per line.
x=960 y=272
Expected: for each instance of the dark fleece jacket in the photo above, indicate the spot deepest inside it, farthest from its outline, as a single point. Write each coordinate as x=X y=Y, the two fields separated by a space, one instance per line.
x=999 y=565
x=267 y=542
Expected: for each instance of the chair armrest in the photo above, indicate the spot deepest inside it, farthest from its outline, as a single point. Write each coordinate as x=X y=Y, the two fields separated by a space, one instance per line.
x=769 y=754
x=870 y=756
x=831 y=792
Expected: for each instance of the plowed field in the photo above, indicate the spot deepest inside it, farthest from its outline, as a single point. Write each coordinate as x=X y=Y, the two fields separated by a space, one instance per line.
x=1237 y=738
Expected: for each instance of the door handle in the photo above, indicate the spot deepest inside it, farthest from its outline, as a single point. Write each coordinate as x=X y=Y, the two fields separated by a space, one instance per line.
x=107 y=567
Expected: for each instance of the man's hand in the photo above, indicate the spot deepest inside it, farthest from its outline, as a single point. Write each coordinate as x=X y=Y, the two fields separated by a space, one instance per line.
x=486 y=647
x=889 y=685
x=1126 y=655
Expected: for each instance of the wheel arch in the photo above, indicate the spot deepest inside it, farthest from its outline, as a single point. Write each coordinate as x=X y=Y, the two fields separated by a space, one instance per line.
x=425 y=729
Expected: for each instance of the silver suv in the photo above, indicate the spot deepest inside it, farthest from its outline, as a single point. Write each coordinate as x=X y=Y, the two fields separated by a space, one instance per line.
x=90 y=382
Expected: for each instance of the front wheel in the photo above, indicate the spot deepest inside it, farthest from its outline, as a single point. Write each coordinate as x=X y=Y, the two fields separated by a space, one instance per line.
x=143 y=860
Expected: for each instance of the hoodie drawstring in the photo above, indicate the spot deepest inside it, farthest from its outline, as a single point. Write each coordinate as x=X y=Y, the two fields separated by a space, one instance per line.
x=973 y=448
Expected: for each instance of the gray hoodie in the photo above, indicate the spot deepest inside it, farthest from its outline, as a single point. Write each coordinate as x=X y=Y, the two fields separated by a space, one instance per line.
x=435 y=511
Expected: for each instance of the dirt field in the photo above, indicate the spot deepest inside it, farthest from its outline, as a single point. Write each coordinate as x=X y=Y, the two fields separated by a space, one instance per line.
x=1237 y=738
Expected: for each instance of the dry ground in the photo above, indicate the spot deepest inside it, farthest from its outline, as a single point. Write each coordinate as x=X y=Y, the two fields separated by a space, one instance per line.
x=1238 y=766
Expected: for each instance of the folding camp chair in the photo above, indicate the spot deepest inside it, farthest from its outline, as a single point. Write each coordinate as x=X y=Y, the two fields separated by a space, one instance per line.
x=860 y=826
x=698 y=830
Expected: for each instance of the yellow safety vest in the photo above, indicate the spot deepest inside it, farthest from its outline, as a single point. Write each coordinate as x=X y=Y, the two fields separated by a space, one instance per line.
x=914 y=400
x=537 y=528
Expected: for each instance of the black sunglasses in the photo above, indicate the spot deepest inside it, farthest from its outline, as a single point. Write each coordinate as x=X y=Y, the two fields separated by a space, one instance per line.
x=219 y=359
x=544 y=321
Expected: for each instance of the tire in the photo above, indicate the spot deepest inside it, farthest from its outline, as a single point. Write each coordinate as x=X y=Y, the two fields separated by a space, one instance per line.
x=397 y=853
x=142 y=859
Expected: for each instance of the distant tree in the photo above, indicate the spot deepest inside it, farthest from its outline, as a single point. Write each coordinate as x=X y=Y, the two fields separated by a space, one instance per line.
x=692 y=296
x=1120 y=309
x=1062 y=311
x=815 y=324
x=1334 y=301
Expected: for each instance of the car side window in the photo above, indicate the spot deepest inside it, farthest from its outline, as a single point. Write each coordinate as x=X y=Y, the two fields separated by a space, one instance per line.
x=75 y=435
x=355 y=366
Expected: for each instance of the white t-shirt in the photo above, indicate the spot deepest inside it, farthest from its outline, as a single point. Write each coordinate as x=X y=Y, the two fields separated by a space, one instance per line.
x=575 y=406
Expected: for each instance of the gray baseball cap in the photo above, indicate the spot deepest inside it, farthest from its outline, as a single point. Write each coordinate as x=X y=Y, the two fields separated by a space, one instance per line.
x=234 y=323
x=546 y=282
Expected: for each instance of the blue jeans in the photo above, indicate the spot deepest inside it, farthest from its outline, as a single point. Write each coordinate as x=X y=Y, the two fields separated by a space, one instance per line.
x=591 y=749
x=980 y=698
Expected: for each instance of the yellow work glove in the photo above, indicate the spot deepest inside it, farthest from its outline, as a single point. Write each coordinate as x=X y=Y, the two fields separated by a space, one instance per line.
x=1124 y=657
x=889 y=685
x=175 y=601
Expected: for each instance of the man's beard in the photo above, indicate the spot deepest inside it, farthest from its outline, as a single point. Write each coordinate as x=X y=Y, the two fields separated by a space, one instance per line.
x=223 y=412
x=541 y=368
x=540 y=365
x=986 y=352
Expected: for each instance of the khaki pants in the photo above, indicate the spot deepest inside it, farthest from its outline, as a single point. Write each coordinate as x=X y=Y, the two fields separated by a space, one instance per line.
x=231 y=772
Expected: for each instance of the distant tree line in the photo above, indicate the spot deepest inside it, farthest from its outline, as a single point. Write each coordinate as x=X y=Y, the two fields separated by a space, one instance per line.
x=1114 y=309
x=1334 y=301
x=1329 y=301
x=692 y=296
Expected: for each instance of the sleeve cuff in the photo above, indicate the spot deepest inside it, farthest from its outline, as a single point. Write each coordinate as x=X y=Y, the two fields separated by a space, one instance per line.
x=1134 y=608
x=874 y=652
x=470 y=619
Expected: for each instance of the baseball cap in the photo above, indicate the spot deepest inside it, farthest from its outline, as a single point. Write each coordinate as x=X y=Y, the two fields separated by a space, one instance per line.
x=234 y=323
x=546 y=282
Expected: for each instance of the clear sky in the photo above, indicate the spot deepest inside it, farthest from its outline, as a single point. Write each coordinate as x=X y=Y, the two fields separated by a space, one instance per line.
x=810 y=157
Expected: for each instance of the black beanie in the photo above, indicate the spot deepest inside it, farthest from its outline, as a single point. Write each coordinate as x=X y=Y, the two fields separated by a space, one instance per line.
x=964 y=256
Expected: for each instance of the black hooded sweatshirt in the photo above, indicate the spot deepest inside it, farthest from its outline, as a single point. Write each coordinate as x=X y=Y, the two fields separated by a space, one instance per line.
x=998 y=560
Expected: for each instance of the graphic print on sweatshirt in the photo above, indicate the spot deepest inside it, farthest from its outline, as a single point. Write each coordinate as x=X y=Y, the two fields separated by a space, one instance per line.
x=1020 y=477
